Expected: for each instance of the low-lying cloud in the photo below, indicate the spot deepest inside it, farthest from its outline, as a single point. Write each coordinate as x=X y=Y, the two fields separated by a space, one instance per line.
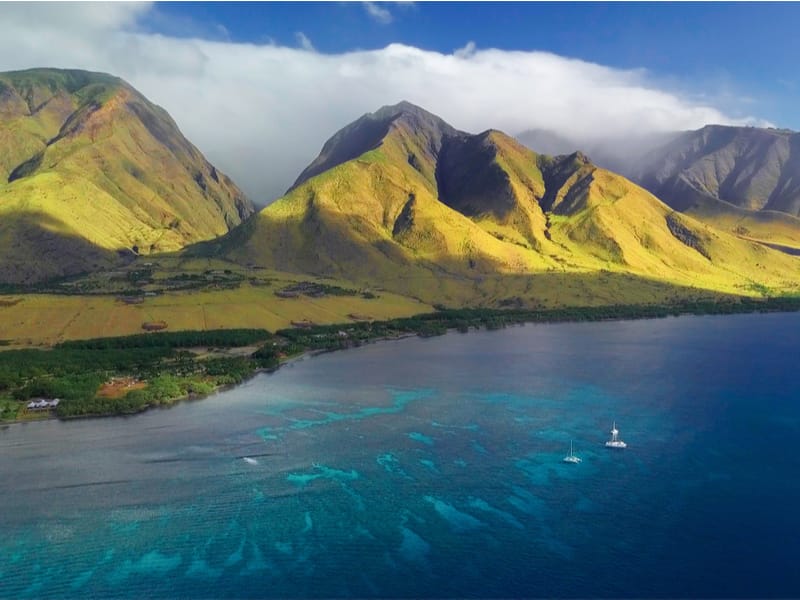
x=262 y=112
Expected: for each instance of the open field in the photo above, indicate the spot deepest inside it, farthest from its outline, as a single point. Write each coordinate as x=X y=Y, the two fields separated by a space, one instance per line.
x=222 y=295
x=203 y=294
x=43 y=320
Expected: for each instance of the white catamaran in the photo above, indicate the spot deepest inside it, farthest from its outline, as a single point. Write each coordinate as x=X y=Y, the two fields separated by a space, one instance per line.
x=571 y=458
x=615 y=442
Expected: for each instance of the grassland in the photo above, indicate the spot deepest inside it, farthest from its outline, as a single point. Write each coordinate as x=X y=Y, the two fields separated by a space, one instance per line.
x=225 y=295
x=768 y=226
x=44 y=319
x=200 y=294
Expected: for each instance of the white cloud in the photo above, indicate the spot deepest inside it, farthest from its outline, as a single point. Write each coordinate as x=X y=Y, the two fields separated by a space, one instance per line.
x=378 y=13
x=76 y=17
x=304 y=42
x=262 y=112
x=467 y=51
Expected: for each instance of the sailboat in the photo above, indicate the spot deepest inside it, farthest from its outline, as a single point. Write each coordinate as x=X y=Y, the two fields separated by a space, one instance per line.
x=571 y=458
x=615 y=442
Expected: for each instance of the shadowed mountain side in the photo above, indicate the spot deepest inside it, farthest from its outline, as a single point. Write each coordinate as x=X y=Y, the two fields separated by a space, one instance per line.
x=498 y=183
x=37 y=246
x=426 y=205
x=748 y=167
x=84 y=147
x=741 y=179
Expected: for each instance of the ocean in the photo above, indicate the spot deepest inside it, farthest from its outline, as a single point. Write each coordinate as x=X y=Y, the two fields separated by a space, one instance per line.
x=433 y=468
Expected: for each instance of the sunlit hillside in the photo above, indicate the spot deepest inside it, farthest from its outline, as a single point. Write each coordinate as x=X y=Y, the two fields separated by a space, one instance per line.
x=402 y=200
x=89 y=167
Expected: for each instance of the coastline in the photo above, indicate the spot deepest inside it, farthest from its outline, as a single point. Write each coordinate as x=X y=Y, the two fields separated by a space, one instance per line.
x=170 y=402
x=323 y=339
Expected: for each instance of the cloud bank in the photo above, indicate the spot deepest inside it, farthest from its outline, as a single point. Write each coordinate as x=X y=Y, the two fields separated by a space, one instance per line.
x=262 y=112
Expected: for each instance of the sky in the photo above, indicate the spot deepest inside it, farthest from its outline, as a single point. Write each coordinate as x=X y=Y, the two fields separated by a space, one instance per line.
x=259 y=87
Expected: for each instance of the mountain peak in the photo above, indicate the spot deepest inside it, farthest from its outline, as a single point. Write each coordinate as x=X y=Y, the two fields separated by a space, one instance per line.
x=368 y=132
x=404 y=107
x=414 y=115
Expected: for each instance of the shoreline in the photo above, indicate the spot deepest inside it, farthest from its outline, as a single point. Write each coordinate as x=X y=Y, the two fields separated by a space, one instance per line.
x=473 y=320
x=194 y=396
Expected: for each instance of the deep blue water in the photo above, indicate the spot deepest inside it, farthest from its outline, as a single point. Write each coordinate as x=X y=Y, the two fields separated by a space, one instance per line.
x=433 y=468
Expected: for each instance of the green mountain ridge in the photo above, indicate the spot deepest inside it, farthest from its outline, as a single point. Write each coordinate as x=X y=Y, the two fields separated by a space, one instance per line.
x=442 y=215
x=89 y=167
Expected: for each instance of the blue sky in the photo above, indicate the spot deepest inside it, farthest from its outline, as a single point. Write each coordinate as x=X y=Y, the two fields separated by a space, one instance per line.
x=743 y=55
x=259 y=87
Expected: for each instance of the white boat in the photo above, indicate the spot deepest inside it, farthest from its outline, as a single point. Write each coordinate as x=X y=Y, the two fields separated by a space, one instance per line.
x=615 y=442
x=571 y=458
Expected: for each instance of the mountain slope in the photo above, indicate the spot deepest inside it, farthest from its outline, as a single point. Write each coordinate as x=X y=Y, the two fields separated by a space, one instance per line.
x=744 y=179
x=440 y=214
x=90 y=167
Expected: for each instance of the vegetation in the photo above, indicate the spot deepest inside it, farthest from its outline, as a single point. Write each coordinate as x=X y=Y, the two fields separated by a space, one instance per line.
x=314 y=289
x=227 y=338
x=9 y=408
x=333 y=337
x=74 y=371
x=133 y=281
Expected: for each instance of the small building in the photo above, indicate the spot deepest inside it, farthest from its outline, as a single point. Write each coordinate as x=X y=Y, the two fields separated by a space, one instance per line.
x=42 y=404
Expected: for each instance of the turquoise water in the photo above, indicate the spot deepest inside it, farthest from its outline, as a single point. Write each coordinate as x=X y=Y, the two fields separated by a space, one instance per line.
x=433 y=468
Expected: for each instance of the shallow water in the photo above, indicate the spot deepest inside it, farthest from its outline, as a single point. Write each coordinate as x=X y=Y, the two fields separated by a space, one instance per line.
x=432 y=467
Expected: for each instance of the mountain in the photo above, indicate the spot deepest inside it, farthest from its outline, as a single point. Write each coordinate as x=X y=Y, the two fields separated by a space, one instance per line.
x=89 y=168
x=743 y=179
x=399 y=199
